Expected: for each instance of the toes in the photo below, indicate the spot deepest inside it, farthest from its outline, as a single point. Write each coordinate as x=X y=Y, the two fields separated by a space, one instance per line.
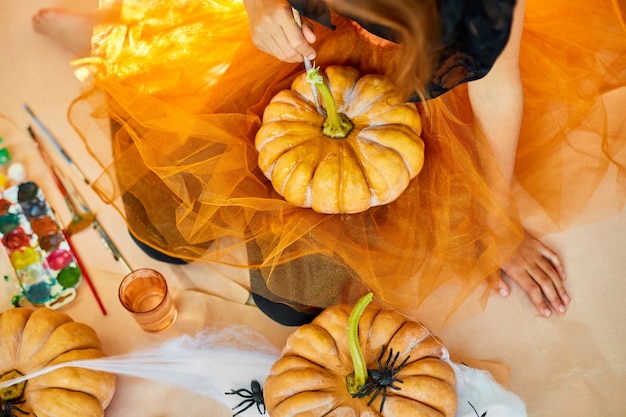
x=503 y=288
x=41 y=19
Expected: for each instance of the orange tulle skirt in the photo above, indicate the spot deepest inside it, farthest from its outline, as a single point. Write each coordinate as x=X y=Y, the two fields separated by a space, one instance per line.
x=182 y=89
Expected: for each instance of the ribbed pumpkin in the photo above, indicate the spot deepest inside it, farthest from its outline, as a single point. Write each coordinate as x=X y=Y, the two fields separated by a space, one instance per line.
x=33 y=339
x=312 y=376
x=371 y=166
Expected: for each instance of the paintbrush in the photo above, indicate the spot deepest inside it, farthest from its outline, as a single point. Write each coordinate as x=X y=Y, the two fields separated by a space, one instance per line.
x=56 y=144
x=80 y=221
x=68 y=190
x=83 y=270
x=96 y=224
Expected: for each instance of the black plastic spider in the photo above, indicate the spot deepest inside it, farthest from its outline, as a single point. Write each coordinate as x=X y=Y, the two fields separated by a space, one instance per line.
x=10 y=406
x=473 y=408
x=382 y=378
x=251 y=396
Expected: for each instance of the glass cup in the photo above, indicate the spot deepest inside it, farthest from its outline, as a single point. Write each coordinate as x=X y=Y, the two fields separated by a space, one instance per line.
x=144 y=294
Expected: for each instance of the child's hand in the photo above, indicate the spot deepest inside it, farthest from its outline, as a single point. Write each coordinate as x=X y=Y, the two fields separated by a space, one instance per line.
x=274 y=30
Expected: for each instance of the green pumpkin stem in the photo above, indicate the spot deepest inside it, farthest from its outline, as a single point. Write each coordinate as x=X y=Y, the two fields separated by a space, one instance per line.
x=12 y=392
x=358 y=379
x=336 y=125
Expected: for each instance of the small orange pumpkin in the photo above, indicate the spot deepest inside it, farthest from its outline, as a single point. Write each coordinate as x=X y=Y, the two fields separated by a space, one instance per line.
x=372 y=165
x=315 y=375
x=31 y=340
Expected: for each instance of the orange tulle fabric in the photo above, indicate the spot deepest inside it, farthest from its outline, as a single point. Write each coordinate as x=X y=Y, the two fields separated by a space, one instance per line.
x=185 y=90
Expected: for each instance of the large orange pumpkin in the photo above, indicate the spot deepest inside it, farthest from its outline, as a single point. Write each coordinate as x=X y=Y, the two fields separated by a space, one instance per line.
x=312 y=377
x=371 y=166
x=32 y=340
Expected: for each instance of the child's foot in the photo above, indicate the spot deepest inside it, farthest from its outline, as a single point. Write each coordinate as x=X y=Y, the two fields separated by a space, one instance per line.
x=71 y=30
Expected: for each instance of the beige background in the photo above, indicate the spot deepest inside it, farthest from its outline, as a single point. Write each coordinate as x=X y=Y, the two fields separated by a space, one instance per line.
x=563 y=366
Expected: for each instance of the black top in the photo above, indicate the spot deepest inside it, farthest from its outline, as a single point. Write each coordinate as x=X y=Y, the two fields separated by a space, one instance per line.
x=474 y=33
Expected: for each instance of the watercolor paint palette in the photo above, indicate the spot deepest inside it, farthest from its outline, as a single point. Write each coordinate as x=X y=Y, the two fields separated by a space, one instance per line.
x=39 y=253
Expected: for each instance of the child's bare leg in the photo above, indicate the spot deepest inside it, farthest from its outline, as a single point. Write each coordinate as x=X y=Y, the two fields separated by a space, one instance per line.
x=71 y=30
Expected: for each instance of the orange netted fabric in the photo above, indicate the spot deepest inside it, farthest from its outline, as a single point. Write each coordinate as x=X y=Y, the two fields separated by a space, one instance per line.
x=573 y=138
x=185 y=89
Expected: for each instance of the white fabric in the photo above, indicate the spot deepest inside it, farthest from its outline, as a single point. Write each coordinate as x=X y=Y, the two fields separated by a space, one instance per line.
x=479 y=393
x=218 y=361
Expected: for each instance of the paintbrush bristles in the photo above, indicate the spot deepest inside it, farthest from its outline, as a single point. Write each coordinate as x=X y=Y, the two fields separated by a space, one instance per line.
x=79 y=223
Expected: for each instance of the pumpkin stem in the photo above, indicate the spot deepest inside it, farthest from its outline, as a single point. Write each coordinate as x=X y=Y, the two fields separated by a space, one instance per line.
x=358 y=379
x=337 y=125
x=12 y=392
